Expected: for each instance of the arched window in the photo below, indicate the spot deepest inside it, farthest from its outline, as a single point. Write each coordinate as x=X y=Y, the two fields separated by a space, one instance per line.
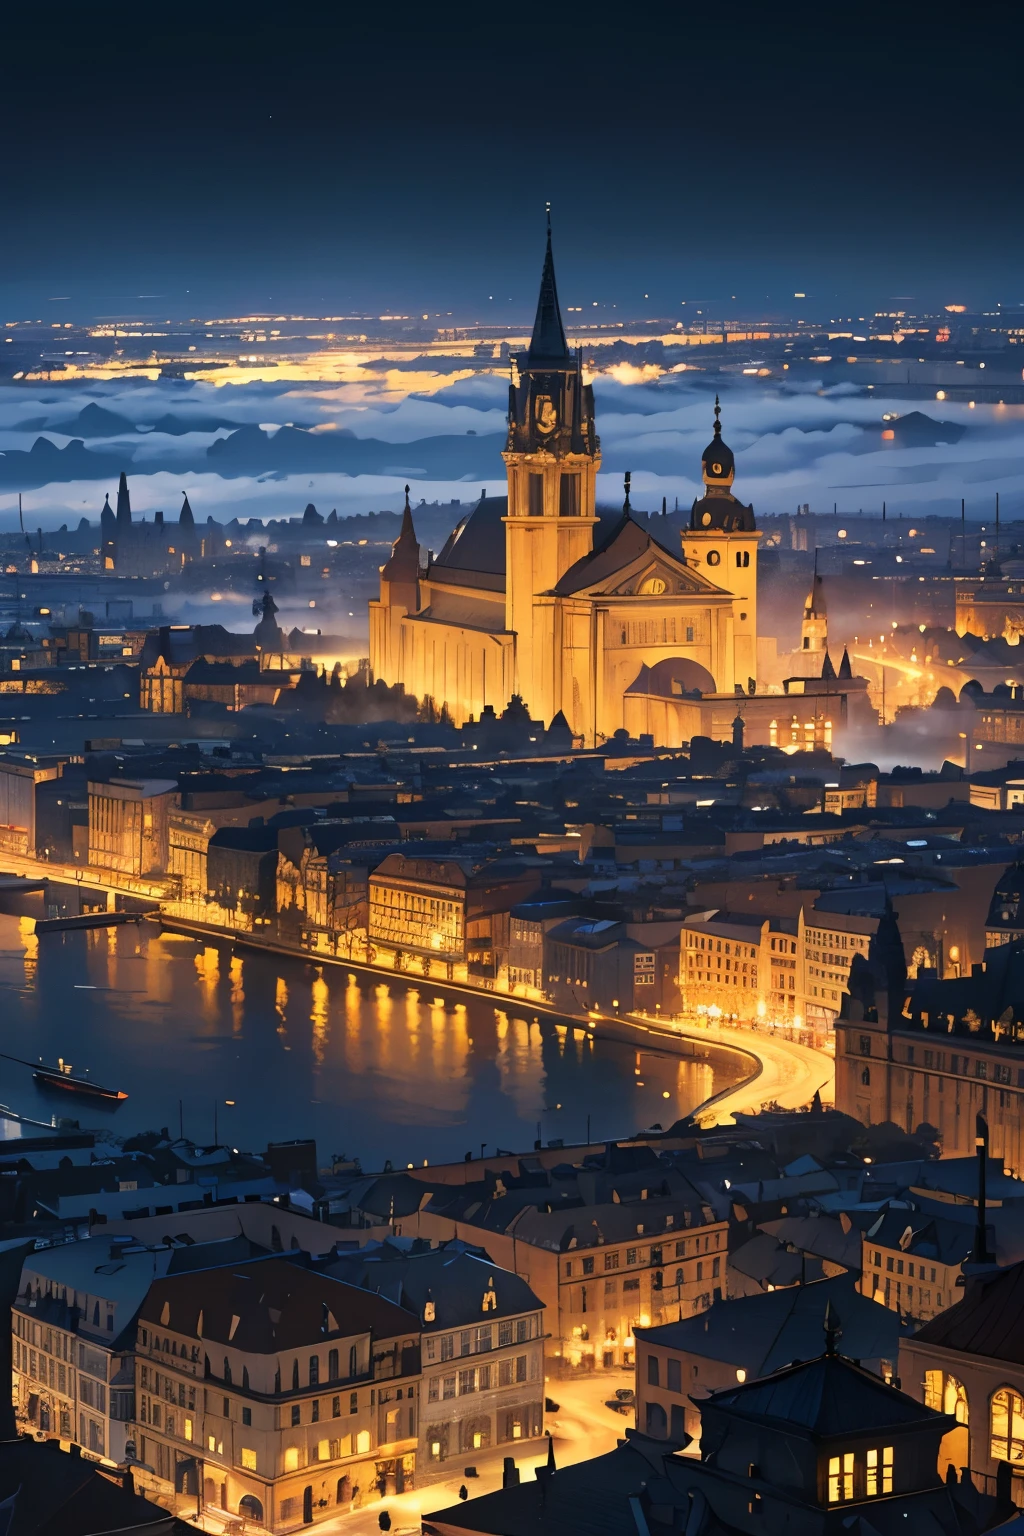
x=1007 y=1426
x=657 y=1421
x=314 y=1370
x=954 y=1400
x=227 y=1370
x=295 y=1375
x=865 y=1077
x=933 y=1390
x=250 y=1505
x=353 y=1360
x=332 y=1365
x=245 y=1378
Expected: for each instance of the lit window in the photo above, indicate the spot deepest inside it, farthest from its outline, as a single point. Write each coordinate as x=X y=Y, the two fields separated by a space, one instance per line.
x=933 y=1390
x=840 y=1478
x=954 y=1400
x=363 y=1442
x=878 y=1477
x=248 y=1459
x=291 y=1458
x=1007 y=1426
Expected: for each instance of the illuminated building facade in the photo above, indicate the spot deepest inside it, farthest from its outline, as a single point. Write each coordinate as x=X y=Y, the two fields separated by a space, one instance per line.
x=534 y=594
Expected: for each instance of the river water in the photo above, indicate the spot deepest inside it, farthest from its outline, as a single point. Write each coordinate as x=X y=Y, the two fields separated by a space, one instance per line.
x=275 y=1047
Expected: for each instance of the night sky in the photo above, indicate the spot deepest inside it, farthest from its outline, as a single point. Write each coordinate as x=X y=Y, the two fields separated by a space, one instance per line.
x=223 y=158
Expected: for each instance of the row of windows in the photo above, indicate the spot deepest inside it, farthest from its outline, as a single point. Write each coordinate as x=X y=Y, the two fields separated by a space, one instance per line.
x=873 y=1474
x=504 y=1373
x=643 y=1256
x=891 y=1261
x=469 y=1341
x=744 y=951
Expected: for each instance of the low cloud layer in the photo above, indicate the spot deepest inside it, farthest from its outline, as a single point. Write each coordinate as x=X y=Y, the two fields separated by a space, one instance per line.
x=353 y=445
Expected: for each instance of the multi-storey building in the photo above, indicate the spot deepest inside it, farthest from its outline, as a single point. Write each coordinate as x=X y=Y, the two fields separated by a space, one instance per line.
x=606 y=1250
x=448 y=910
x=937 y=1051
x=911 y=1262
x=128 y=825
x=743 y=966
x=269 y=1391
x=830 y=941
x=74 y=1336
x=483 y=1343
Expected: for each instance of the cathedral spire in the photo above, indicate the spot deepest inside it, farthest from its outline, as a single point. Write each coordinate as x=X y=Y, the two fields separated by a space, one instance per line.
x=548 y=346
x=185 y=517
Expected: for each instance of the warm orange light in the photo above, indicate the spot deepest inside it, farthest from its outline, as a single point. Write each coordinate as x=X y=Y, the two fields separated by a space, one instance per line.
x=888 y=435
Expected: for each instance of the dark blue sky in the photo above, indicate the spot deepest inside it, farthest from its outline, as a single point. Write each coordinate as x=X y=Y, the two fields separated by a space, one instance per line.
x=327 y=159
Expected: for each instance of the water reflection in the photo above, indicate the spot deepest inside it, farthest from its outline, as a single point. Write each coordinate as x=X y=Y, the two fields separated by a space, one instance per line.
x=288 y=1048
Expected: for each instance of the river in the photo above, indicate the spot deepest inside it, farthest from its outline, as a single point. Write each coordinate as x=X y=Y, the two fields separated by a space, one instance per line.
x=271 y=1047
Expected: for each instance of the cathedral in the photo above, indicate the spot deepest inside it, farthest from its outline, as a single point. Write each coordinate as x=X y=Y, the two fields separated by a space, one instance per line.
x=582 y=615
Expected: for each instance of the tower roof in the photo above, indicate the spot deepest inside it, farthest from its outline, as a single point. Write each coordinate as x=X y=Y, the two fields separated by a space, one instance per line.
x=548 y=346
x=404 y=560
x=185 y=518
x=717 y=461
x=814 y=604
x=124 y=505
x=718 y=509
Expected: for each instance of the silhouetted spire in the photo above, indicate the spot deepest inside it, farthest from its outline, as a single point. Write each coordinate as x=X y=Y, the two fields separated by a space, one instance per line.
x=404 y=562
x=548 y=346
x=626 y=508
x=124 y=505
x=828 y=671
x=185 y=518
x=845 y=669
x=107 y=517
x=833 y=1328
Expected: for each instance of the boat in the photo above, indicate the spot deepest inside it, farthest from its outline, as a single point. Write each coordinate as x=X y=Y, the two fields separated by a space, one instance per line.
x=62 y=1079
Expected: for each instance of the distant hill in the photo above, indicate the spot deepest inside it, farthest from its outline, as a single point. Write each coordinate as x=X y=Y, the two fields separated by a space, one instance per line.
x=251 y=451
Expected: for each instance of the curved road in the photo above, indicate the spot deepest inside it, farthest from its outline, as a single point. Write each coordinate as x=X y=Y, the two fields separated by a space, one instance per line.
x=782 y=1071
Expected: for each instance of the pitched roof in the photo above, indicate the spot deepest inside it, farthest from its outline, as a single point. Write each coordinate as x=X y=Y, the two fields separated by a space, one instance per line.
x=269 y=1305
x=477 y=543
x=828 y=1396
x=624 y=542
x=769 y=1330
x=989 y=1321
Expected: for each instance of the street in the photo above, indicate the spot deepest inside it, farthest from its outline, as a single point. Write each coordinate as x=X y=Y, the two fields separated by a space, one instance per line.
x=582 y=1427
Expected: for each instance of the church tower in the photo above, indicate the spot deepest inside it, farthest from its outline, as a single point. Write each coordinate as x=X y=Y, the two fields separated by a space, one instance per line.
x=552 y=458
x=814 y=625
x=721 y=542
x=399 y=596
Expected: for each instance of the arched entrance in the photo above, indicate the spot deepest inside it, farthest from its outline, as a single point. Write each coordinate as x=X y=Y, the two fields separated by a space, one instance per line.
x=250 y=1506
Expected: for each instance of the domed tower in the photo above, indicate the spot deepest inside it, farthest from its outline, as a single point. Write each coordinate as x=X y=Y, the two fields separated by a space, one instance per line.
x=552 y=458
x=721 y=542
